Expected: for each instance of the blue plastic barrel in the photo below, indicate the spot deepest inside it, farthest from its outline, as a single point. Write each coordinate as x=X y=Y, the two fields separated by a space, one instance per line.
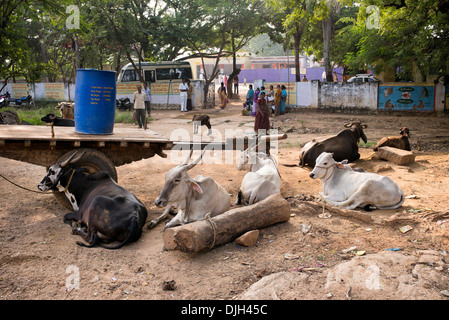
x=95 y=92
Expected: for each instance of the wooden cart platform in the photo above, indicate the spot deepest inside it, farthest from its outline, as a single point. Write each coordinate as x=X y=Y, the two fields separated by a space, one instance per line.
x=43 y=145
x=46 y=145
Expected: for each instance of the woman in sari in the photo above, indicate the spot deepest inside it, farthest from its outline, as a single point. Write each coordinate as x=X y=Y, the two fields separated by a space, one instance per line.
x=256 y=97
x=270 y=99
x=277 y=100
x=248 y=105
x=262 y=115
x=283 y=100
x=222 y=96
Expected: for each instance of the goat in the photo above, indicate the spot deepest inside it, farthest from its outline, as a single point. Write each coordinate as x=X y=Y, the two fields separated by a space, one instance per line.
x=201 y=120
x=399 y=142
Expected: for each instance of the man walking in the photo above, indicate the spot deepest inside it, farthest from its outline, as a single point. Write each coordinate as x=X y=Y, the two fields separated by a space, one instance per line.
x=139 y=106
x=236 y=85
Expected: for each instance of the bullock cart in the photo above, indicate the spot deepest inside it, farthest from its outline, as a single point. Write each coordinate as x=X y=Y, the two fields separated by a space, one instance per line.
x=46 y=145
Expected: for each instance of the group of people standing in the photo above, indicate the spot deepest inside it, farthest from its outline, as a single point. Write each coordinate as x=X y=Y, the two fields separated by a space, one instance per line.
x=262 y=103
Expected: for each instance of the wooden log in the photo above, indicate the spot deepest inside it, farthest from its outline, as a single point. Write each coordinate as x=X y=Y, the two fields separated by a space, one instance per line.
x=209 y=233
x=396 y=155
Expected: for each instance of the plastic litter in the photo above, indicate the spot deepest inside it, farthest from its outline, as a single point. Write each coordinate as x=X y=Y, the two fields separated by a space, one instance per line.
x=405 y=229
x=303 y=268
x=348 y=249
x=290 y=256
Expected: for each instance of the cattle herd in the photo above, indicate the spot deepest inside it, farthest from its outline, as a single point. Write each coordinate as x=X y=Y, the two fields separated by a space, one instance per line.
x=108 y=215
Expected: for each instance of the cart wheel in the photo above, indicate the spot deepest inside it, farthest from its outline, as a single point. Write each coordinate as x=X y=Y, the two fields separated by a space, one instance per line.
x=94 y=161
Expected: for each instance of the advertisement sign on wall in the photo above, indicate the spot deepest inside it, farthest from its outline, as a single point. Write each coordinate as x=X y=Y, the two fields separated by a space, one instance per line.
x=406 y=97
x=19 y=90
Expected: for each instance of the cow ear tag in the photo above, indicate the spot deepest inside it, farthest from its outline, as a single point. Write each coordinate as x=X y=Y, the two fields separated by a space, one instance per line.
x=195 y=186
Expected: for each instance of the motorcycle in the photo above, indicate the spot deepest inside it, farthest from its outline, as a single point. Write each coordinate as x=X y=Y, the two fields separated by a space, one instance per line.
x=28 y=100
x=123 y=104
x=4 y=99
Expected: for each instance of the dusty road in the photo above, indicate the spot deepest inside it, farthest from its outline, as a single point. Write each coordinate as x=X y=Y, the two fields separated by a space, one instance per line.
x=39 y=253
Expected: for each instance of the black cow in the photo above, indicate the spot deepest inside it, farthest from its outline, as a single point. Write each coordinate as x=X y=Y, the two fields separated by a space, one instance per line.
x=344 y=145
x=108 y=211
x=58 y=121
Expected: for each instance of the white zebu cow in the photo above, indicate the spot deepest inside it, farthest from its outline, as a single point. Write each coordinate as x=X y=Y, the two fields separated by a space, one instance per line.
x=350 y=189
x=261 y=181
x=194 y=198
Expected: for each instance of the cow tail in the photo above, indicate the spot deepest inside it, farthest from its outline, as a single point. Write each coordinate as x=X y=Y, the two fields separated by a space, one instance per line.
x=133 y=231
x=239 y=197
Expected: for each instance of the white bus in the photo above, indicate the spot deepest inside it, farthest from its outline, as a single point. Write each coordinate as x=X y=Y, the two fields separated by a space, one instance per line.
x=157 y=72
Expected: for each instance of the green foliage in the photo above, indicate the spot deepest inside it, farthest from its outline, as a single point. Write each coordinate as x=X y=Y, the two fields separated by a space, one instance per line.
x=411 y=34
x=34 y=115
x=36 y=44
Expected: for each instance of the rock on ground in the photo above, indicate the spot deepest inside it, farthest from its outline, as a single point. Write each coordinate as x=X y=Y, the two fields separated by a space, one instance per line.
x=384 y=275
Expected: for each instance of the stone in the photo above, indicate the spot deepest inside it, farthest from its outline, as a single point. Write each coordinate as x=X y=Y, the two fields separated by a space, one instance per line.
x=396 y=155
x=382 y=167
x=248 y=239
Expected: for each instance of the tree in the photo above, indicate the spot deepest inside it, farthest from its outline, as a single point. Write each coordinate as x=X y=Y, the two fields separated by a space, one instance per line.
x=19 y=51
x=410 y=35
x=297 y=16
x=246 y=20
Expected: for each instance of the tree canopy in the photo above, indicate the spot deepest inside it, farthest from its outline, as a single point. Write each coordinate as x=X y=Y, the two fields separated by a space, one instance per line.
x=49 y=39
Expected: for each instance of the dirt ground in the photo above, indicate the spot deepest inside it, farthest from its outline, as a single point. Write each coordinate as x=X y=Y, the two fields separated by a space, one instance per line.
x=39 y=256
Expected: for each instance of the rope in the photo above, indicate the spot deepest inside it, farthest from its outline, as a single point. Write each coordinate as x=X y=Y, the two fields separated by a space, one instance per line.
x=70 y=180
x=41 y=192
x=214 y=228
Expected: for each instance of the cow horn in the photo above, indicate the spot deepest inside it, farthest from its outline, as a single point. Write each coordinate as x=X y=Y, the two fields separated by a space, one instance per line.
x=252 y=145
x=348 y=125
x=186 y=161
x=72 y=158
x=197 y=160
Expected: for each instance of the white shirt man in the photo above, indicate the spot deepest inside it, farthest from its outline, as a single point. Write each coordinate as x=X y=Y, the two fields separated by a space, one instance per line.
x=139 y=105
x=183 y=88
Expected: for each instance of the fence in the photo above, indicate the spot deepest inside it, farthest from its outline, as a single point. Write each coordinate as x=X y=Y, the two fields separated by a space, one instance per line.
x=163 y=95
x=369 y=97
x=372 y=97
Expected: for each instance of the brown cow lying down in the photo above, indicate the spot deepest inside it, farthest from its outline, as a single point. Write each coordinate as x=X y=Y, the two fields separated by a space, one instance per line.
x=67 y=109
x=399 y=142
x=103 y=210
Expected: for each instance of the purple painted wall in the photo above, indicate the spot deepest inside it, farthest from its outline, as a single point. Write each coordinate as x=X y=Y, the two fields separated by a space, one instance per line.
x=282 y=75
